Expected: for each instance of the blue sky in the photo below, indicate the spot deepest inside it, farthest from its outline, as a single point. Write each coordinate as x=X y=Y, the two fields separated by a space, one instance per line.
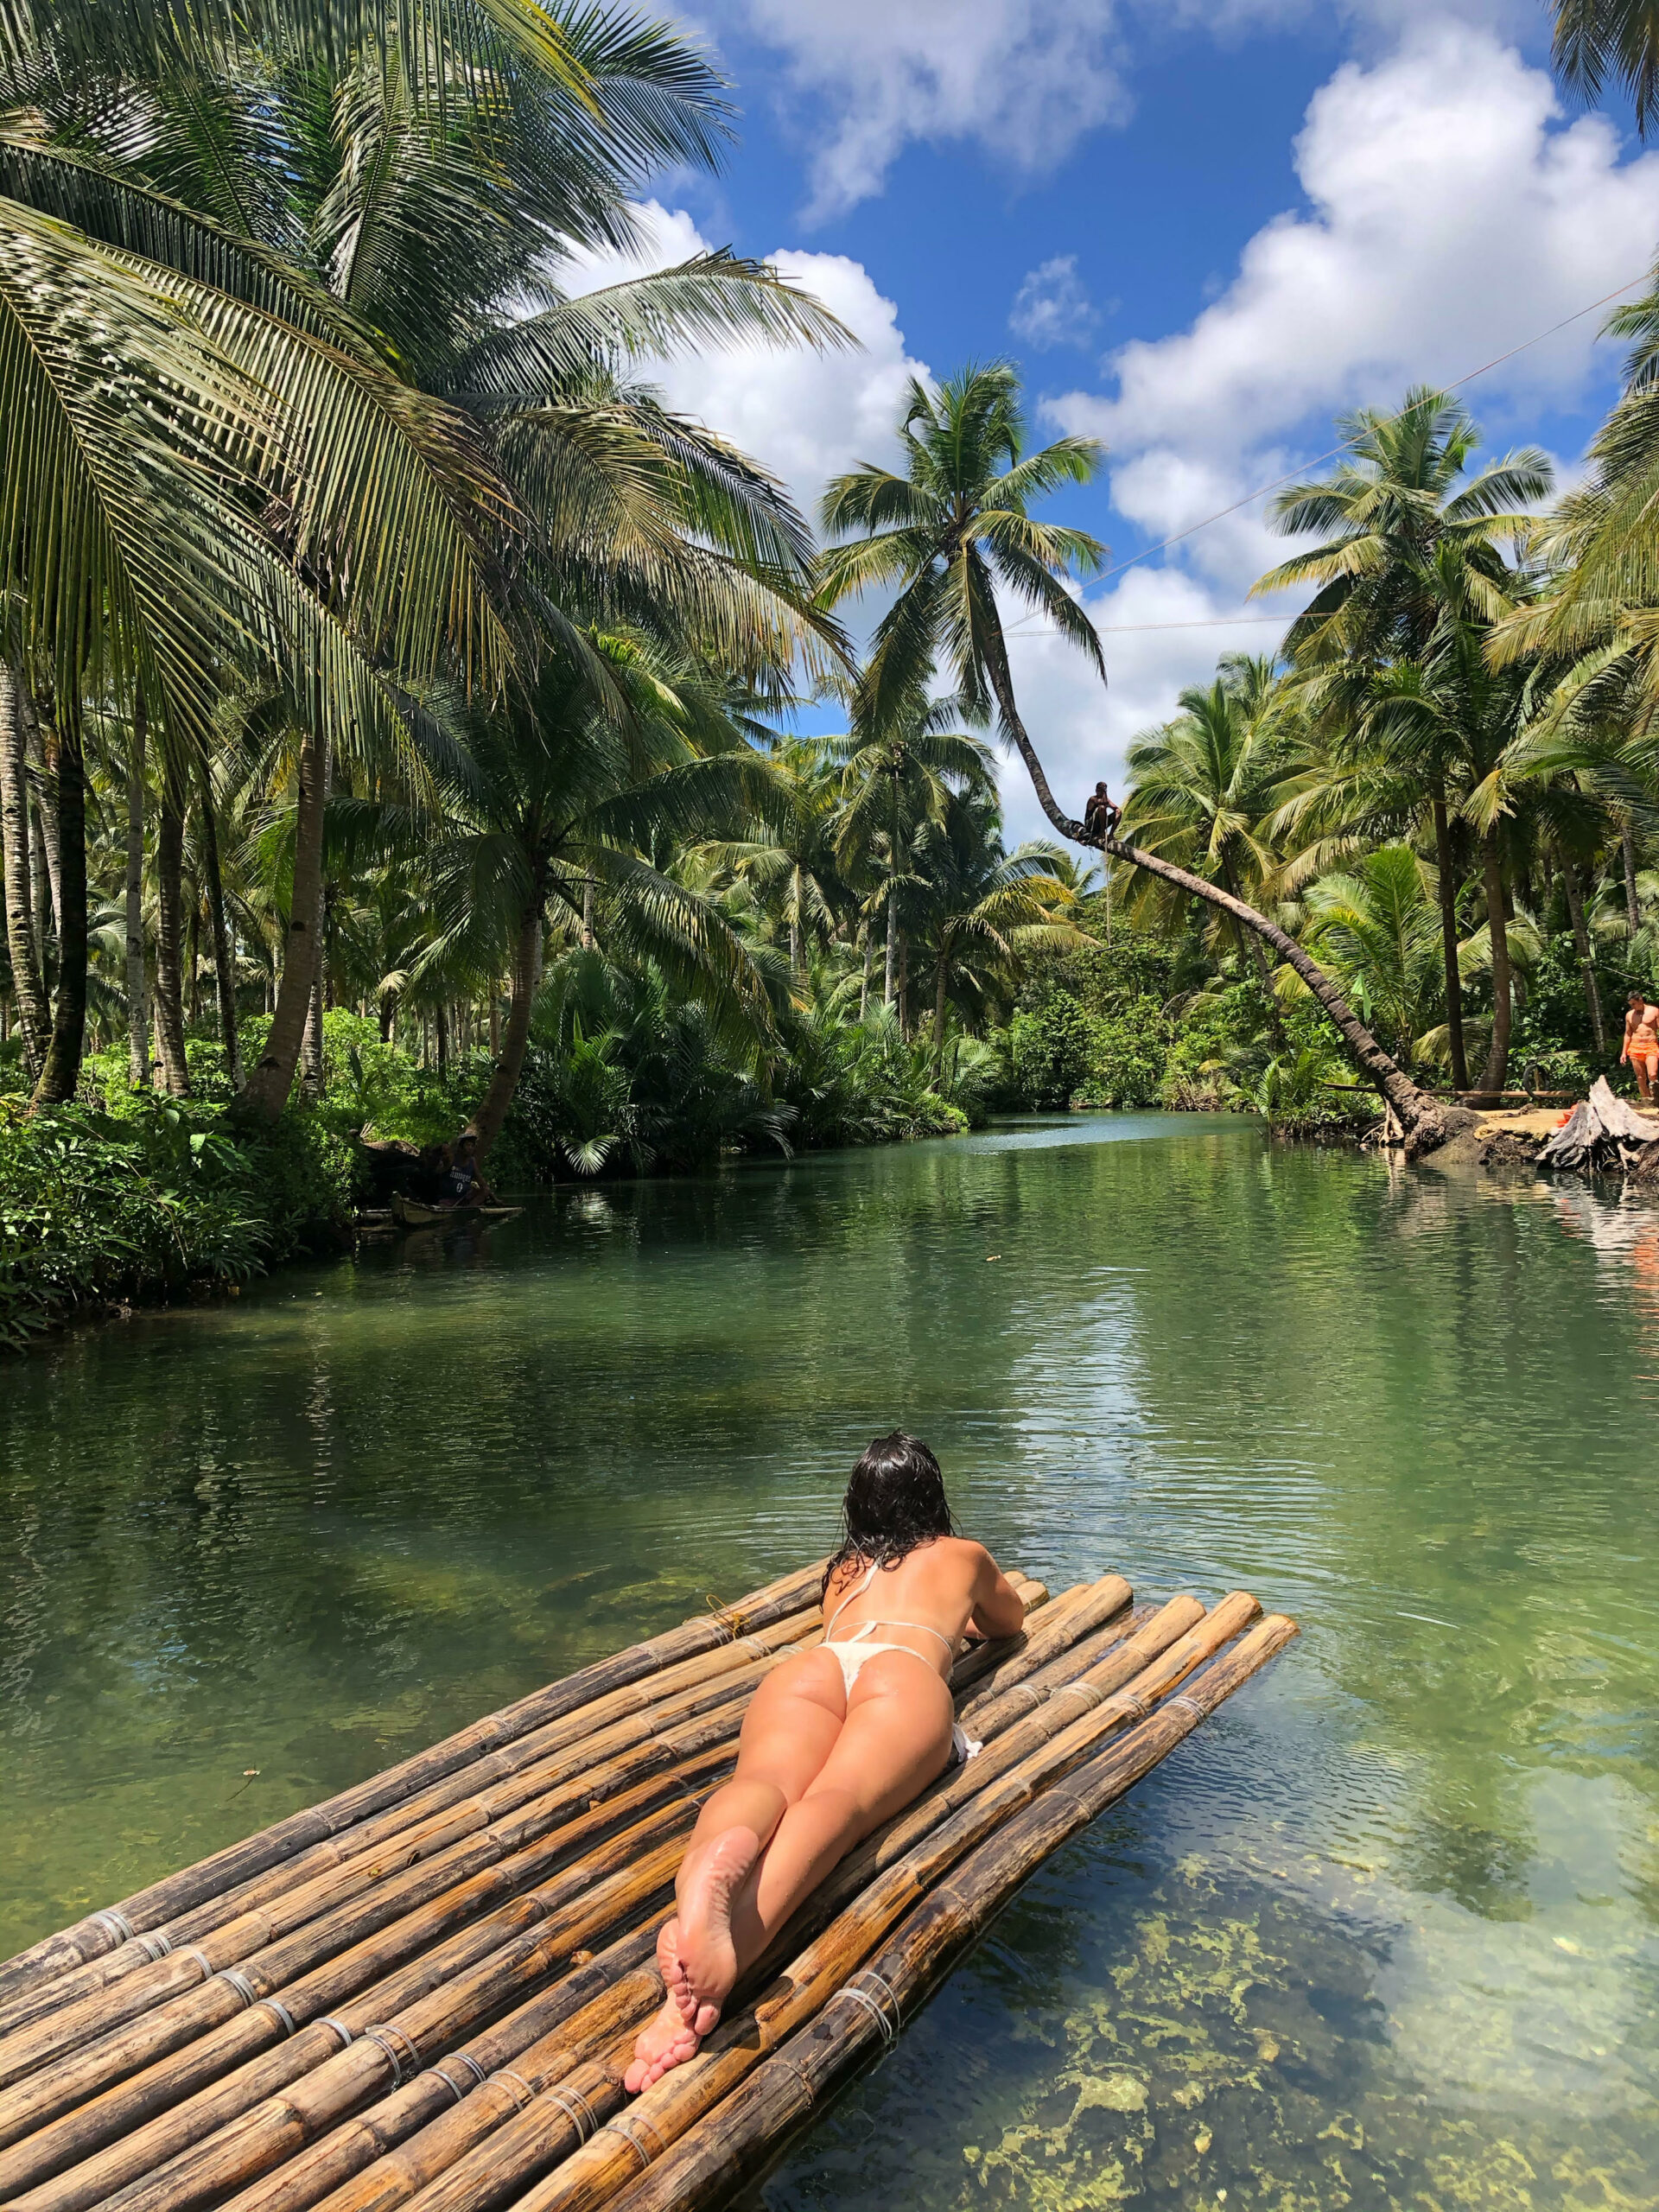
x=1203 y=232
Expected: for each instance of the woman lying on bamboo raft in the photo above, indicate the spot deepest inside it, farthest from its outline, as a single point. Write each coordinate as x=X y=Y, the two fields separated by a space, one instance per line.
x=836 y=1741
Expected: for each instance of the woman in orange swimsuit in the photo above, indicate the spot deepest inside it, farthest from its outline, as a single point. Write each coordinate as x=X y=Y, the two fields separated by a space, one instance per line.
x=1642 y=1042
x=835 y=1741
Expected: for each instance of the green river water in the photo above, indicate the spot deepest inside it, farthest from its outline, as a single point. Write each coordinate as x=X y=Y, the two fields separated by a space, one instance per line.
x=1385 y=1932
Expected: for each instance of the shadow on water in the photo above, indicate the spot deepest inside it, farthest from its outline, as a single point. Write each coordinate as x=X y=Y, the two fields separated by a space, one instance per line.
x=1383 y=1933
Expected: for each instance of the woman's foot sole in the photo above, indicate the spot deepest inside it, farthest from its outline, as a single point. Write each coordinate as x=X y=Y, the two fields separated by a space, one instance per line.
x=705 y=1953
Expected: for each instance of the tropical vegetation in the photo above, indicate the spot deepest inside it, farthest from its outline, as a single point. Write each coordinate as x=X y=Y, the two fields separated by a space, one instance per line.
x=401 y=705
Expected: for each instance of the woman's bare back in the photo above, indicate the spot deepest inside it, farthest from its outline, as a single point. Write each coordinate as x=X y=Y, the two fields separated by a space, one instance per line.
x=926 y=1601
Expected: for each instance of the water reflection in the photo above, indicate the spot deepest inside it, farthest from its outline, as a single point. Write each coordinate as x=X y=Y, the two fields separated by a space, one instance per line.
x=1385 y=1933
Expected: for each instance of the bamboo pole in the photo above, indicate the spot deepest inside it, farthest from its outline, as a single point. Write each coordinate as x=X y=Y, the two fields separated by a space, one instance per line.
x=528 y=2144
x=709 y=2158
x=144 y=2108
x=164 y=1900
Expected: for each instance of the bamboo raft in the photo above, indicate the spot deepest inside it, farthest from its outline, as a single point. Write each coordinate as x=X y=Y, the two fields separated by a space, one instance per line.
x=422 y=1992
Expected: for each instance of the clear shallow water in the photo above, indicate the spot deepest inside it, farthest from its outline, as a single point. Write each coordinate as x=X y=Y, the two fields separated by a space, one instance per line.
x=1384 y=1933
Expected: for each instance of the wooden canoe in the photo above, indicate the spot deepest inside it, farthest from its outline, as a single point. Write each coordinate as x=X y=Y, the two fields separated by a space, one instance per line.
x=413 y=1214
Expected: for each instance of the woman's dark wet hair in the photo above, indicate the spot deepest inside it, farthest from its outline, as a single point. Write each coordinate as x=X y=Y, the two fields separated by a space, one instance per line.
x=894 y=1502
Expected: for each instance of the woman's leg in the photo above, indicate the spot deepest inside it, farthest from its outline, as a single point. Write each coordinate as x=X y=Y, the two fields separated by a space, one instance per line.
x=790 y=1730
x=737 y=1891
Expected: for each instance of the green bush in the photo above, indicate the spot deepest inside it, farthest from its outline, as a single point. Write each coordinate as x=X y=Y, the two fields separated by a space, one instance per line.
x=97 y=1207
x=1051 y=1049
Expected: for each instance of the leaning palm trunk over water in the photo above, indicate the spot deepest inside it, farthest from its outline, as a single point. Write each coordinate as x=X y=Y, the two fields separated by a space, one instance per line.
x=1426 y=1122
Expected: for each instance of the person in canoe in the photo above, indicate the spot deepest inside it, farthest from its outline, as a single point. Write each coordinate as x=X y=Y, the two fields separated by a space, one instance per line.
x=462 y=1182
x=835 y=1740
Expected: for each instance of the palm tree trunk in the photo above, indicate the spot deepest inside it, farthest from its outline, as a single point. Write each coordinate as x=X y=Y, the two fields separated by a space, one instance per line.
x=45 y=888
x=265 y=1093
x=169 y=932
x=1448 y=890
x=891 y=984
x=137 y=993
x=62 y=1070
x=1426 y=1122
x=27 y=986
x=864 y=988
x=938 y=1013
x=1586 y=960
x=588 y=914
x=311 y=1043
x=224 y=949
x=1498 y=1059
x=49 y=890
x=387 y=1010
x=794 y=947
x=441 y=1022
x=504 y=1077
x=1632 y=904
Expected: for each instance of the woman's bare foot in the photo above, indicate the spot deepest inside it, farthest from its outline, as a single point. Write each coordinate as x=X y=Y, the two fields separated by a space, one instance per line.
x=706 y=1954
x=665 y=2042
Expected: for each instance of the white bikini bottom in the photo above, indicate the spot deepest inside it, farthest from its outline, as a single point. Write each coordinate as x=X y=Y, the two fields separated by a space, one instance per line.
x=853 y=1658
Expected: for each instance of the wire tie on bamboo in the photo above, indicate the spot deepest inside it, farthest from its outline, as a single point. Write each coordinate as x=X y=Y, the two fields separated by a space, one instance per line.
x=191 y=1951
x=389 y=2038
x=234 y=1978
x=346 y=2038
x=284 y=2017
x=459 y=2058
x=154 y=1947
x=889 y=2027
x=116 y=1925
x=1075 y=1689
x=515 y=2083
x=624 y=2125
x=576 y=2109
x=1185 y=1704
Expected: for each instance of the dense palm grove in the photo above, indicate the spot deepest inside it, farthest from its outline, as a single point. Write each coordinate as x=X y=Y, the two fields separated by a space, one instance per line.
x=398 y=702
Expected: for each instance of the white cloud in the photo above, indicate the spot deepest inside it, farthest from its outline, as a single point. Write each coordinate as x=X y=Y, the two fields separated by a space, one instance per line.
x=1024 y=78
x=1448 y=222
x=804 y=415
x=1053 y=306
x=1451 y=216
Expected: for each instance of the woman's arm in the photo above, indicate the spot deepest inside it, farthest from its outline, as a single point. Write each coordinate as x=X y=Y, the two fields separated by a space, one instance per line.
x=999 y=1609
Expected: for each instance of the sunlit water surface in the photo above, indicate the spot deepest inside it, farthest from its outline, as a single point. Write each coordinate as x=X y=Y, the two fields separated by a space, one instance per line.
x=1384 y=1933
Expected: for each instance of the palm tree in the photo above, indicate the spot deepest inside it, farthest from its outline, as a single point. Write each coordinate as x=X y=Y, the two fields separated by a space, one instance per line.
x=984 y=910
x=795 y=868
x=1376 y=925
x=899 y=763
x=943 y=536
x=1203 y=785
x=322 y=210
x=1406 y=535
x=565 y=793
x=1596 y=40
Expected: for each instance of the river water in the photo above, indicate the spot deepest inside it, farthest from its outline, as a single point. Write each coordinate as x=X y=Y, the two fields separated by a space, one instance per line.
x=1385 y=1932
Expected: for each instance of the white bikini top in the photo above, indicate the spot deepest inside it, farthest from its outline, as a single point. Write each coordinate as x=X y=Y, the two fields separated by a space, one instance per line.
x=861 y=1633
